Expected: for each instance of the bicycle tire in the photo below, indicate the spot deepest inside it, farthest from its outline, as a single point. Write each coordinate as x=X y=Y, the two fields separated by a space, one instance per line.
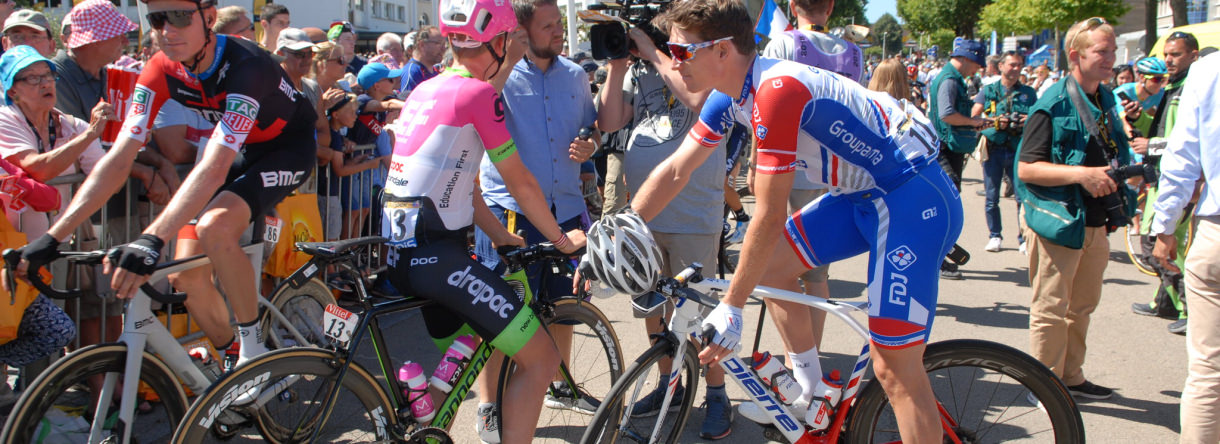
x=371 y=415
x=561 y=424
x=56 y=387
x=1131 y=238
x=607 y=424
x=303 y=307
x=980 y=363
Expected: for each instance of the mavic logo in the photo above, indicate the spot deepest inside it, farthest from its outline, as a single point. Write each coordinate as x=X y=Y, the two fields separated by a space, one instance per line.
x=281 y=178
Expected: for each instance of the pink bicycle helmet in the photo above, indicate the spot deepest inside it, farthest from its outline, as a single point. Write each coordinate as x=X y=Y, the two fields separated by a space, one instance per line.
x=480 y=20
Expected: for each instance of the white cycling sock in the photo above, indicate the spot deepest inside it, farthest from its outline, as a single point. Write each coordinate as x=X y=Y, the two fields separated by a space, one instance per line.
x=807 y=371
x=250 y=336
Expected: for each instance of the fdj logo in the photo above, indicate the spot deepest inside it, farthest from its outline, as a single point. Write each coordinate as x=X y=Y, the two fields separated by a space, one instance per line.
x=902 y=257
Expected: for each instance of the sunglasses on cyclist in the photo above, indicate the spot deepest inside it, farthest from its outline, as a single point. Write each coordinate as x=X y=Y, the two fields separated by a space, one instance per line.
x=178 y=18
x=1155 y=79
x=683 y=52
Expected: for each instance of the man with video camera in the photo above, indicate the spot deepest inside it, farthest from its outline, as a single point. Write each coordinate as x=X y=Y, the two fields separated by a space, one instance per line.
x=656 y=98
x=1007 y=103
x=1072 y=144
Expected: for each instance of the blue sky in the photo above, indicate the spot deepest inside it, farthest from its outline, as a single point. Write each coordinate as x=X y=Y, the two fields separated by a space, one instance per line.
x=876 y=8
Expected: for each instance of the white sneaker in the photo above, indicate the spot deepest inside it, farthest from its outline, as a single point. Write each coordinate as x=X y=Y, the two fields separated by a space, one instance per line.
x=488 y=425
x=752 y=412
x=993 y=245
x=1022 y=249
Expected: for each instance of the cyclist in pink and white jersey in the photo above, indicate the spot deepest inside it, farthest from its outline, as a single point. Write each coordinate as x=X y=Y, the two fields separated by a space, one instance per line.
x=445 y=127
x=888 y=196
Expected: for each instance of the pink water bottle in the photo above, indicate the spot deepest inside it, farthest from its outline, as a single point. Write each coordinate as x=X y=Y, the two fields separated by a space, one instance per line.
x=415 y=389
x=455 y=359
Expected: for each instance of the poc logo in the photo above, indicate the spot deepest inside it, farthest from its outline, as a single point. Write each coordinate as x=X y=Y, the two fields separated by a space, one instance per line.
x=281 y=178
x=422 y=261
x=482 y=292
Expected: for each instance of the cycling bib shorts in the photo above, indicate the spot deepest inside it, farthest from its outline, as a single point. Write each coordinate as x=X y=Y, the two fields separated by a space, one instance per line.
x=888 y=195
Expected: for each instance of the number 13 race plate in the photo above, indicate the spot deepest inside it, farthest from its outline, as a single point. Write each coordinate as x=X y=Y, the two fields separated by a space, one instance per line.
x=339 y=323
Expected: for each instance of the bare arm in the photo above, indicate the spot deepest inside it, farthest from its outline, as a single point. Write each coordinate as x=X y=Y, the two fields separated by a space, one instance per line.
x=486 y=221
x=976 y=110
x=518 y=42
x=171 y=141
x=107 y=178
x=376 y=106
x=343 y=168
x=668 y=178
x=1093 y=179
x=613 y=111
x=524 y=188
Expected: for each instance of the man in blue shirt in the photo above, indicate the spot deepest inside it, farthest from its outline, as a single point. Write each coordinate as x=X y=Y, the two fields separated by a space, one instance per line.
x=548 y=101
x=428 y=50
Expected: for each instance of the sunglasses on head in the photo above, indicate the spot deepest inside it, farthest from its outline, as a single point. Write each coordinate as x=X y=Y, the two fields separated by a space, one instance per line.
x=178 y=18
x=1089 y=25
x=683 y=52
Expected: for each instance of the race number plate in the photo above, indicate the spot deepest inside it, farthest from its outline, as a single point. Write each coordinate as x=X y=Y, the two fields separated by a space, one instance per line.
x=339 y=323
x=399 y=222
x=271 y=234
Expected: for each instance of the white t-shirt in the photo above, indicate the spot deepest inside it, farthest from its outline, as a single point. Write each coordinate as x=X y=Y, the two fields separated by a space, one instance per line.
x=17 y=136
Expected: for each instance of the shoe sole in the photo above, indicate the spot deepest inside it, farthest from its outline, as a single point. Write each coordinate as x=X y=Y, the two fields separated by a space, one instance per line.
x=715 y=437
x=560 y=405
x=1089 y=395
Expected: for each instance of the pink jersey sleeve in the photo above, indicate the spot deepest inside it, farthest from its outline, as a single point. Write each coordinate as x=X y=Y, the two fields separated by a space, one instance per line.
x=479 y=101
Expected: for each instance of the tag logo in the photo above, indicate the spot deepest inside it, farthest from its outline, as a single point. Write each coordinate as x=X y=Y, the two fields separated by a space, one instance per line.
x=902 y=257
x=240 y=112
x=140 y=99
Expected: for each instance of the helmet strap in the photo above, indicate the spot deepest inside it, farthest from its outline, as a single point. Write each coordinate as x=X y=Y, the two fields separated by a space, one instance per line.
x=207 y=39
x=499 y=58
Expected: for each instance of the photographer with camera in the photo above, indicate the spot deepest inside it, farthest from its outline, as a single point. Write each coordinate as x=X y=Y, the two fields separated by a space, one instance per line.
x=688 y=230
x=1007 y=103
x=1072 y=140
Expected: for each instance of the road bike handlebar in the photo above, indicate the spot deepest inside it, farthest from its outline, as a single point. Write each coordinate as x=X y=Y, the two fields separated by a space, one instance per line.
x=89 y=258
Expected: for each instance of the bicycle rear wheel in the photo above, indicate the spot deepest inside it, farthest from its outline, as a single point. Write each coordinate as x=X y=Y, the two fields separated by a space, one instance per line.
x=303 y=307
x=985 y=389
x=614 y=420
x=596 y=362
x=1133 y=239
x=59 y=403
x=295 y=383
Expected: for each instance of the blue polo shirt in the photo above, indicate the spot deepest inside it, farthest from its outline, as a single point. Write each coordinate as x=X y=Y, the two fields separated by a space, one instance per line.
x=545 y=111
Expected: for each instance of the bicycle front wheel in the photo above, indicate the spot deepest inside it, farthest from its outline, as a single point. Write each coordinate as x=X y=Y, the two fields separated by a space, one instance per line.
x=594 y=363
x=61 y=404
x=292 y=387
x=988 y=392
x=632 y=411
x=303 y=308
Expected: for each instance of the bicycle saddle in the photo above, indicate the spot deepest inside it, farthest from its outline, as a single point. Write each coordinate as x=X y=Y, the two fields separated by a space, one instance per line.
x=336 y=248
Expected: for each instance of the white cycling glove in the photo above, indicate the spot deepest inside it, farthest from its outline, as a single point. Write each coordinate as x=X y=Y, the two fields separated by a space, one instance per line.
x=726 y=319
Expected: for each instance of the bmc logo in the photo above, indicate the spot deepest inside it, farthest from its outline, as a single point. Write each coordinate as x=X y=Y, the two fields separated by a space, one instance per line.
x=281 y=178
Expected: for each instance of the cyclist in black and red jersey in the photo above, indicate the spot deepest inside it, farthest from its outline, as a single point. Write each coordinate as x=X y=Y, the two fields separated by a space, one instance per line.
x=263 y=147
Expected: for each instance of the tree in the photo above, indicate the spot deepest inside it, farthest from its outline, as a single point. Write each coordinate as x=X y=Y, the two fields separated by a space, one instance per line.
x=1024 y=16
x=1179 y=8
x=847 y=12
x=887 y=33
x=961 y=16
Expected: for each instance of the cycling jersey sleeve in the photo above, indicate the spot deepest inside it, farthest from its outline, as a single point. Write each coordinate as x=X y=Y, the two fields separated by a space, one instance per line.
x=715 y=120
x=245 y=94
x=150 y=94
x=778 y=105
x=483 y=104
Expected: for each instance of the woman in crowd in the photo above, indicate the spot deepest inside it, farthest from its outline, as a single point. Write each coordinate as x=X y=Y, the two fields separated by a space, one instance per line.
x=328 y=69
x=891 y=76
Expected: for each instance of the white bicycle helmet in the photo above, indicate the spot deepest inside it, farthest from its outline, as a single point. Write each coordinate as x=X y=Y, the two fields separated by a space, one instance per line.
x=623 y=254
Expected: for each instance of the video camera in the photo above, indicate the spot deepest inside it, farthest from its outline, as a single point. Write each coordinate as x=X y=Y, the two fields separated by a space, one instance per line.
x=1116 y=203
x=1012 y=123
x=608 y=36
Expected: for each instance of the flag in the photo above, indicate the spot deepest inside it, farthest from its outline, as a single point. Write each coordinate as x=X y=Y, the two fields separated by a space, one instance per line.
x=771 y=22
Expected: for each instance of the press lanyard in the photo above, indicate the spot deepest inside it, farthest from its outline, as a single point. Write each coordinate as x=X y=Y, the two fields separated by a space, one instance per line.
x=50 y=133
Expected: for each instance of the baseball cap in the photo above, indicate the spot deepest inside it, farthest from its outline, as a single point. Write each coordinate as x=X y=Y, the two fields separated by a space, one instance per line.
x=375 y=72
x=93 y=21
x=337 y=29
x=13 y=61
x=28 y=18
x=972 y=51
x=294 y=39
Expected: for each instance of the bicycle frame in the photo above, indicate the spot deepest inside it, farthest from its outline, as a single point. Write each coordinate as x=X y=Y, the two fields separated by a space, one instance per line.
x=142 y=332
x=687 y=320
